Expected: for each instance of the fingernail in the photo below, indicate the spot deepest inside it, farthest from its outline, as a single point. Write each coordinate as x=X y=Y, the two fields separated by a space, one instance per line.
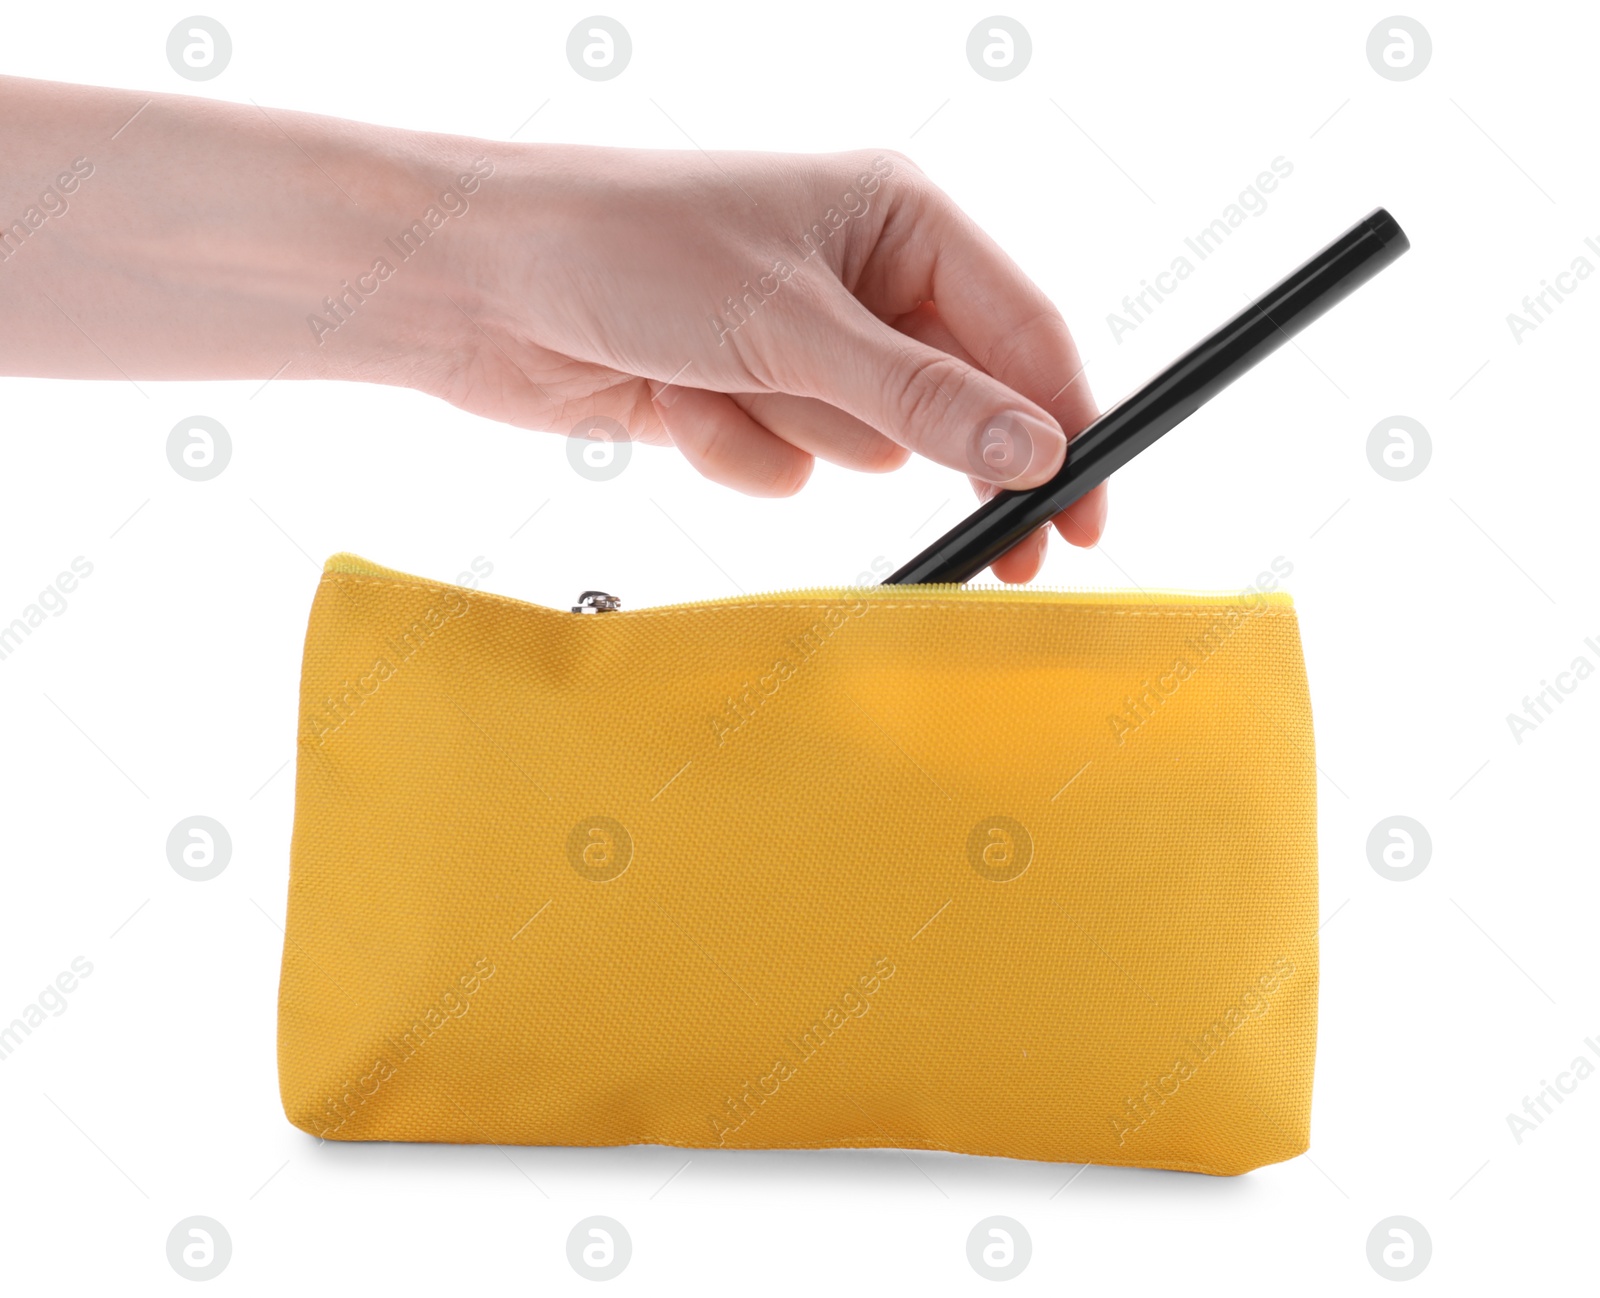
x=1014 y=448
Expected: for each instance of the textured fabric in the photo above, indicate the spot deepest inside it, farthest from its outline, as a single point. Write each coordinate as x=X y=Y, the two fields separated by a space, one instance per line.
x=996 y=872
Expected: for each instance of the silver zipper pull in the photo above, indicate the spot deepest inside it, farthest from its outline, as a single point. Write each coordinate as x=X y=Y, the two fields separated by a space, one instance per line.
x=596 y=601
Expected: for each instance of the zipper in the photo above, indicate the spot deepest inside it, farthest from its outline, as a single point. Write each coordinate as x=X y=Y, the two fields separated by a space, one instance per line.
x=597 y=601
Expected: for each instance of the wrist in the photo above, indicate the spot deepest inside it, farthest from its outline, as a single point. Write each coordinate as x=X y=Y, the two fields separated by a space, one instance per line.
x=402 y=302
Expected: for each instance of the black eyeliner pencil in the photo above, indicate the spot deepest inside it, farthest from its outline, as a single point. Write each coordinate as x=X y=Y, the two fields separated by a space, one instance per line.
x=1164 y=402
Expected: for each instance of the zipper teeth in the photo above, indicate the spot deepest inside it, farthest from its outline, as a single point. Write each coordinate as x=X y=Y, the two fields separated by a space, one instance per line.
x=355 y=565
x=1005 y=594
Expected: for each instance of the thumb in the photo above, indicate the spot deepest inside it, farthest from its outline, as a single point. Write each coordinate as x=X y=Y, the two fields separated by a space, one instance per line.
x=930 y=402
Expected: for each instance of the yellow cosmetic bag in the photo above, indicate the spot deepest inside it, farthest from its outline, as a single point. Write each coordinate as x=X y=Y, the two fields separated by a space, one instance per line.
x=1000 y=872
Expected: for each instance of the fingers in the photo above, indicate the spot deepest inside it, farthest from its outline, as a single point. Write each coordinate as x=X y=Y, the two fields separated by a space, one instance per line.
x=1023 y=561
x=1083 y=522
x=928 y=400
x=824 y=431
x=725 y=444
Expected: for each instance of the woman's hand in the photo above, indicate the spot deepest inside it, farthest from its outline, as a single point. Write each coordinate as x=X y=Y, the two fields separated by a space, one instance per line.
x=754 y=310
x=758 y=310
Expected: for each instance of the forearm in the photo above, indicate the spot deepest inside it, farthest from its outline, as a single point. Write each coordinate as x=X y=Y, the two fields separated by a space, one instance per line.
x=190 y=239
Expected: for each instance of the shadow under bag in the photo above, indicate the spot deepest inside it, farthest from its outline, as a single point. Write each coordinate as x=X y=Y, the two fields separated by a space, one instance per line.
x=993 y=871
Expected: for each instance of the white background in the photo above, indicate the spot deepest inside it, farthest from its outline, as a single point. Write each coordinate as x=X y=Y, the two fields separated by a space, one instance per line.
x=1429 y=609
